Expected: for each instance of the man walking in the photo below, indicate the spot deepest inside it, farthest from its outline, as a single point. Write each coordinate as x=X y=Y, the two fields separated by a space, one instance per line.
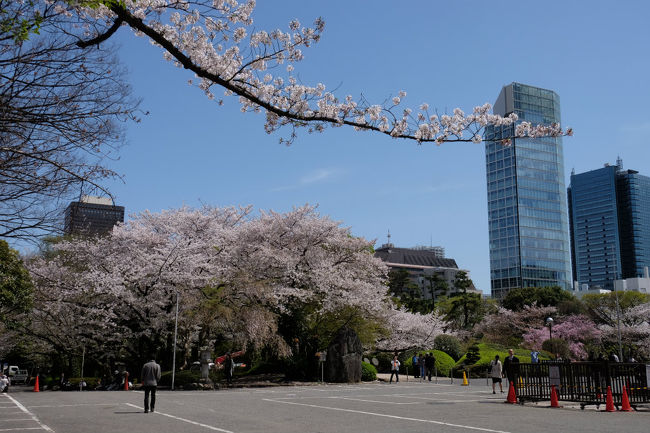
x=150 y=376
x=511 y=367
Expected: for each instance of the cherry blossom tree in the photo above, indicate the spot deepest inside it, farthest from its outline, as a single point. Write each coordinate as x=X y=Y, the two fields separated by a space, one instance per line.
x=408 y=330
x=508 y=327
x=238 y=278
x=634 y=331
x=119 y=291
x=217 y=42
x=576 y=330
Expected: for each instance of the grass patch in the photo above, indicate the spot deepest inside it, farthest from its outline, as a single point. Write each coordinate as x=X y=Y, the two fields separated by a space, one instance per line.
x=487 y=353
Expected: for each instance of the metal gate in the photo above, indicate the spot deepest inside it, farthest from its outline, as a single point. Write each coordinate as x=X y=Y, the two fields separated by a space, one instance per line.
x=583 y=382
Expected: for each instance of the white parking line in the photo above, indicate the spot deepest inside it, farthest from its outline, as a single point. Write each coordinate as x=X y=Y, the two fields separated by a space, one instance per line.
x=429 y=421
x=23 y=428
x=374 y=401
x=31 y=415
x=76 y=405
x=209 y=427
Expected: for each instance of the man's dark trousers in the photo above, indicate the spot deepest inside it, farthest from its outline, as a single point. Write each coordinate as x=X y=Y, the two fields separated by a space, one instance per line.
x=147 y=391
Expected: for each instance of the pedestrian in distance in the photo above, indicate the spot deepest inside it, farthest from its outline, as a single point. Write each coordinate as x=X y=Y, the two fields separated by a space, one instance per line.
x=423 y=372
x=496 y=371
x=150 y=376
x=429 y=364
x=416 y=366
x=228 y=367
x=511 y=367
x=394 y=369
x=4 y=383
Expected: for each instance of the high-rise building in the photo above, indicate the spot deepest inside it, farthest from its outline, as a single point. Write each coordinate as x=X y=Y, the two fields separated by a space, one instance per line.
x=610 y=225
x=92 y=216
x=527 y=210
x=634 y=221
x=593 y=222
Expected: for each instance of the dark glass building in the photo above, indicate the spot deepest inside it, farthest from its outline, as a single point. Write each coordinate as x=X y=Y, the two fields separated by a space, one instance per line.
x=92 y=216
x=593 y=222
x=634 y=213
x=610 y=225
x=527 y=211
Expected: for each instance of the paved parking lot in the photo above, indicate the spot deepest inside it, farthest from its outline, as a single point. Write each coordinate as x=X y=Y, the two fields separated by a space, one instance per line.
x=378 y=408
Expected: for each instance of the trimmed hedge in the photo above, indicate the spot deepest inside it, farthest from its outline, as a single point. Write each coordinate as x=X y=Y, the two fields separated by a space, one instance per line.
x=448 y=344
x=444 y=362
x=487 y=352
x=368 y=372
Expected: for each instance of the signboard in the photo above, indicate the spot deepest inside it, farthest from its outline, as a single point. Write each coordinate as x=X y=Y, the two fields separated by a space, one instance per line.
x=554 y=375
x=647 y=374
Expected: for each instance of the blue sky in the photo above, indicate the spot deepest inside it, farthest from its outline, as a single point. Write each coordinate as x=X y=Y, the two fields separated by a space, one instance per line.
x=189 y=151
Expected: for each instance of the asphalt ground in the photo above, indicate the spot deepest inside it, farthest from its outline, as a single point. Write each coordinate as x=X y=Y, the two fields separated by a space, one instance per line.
x=377 y=407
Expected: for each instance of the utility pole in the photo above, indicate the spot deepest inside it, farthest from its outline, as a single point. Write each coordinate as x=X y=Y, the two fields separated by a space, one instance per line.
x=618 y=307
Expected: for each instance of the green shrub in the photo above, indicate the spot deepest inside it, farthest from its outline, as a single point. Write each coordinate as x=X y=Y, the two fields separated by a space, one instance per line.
x=368 y=372
x=557 y=346
x=487 y=352
x=384 y=361
x=444 y=362
x=448 y=344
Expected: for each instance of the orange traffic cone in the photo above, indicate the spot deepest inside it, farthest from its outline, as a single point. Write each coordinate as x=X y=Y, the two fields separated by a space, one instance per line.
x=126 y=381
x=625 y=402
x=36 y=387
x=554 y=399
x=609 y=406
x=512 y=396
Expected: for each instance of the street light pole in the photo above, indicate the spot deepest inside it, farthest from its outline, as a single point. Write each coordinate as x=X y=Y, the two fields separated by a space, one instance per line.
x=549 y=323
x=175 y=334
x=618 y=308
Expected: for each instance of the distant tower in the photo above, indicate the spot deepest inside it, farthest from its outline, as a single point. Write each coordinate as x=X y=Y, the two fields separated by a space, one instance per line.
x=527 y=210
x=610 y=229
x=92 y=216
x=593 y=222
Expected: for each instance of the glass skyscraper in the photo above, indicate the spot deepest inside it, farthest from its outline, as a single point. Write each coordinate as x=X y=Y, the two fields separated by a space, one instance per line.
x=593 y=220
x=634 y=210
x=527 y=211
x=610 y=225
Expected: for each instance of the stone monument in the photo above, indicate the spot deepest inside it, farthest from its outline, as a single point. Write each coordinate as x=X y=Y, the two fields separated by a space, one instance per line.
x=344 y=357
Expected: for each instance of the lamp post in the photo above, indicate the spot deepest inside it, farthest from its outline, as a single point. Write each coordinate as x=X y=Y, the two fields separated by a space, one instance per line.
x=175 y=334
x=549 y=323
x=618 y=308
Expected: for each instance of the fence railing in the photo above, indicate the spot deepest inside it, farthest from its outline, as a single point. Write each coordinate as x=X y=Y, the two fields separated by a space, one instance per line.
x=583 y=382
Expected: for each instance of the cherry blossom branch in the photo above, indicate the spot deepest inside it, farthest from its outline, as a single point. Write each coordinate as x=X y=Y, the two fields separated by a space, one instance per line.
x=209 y=37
